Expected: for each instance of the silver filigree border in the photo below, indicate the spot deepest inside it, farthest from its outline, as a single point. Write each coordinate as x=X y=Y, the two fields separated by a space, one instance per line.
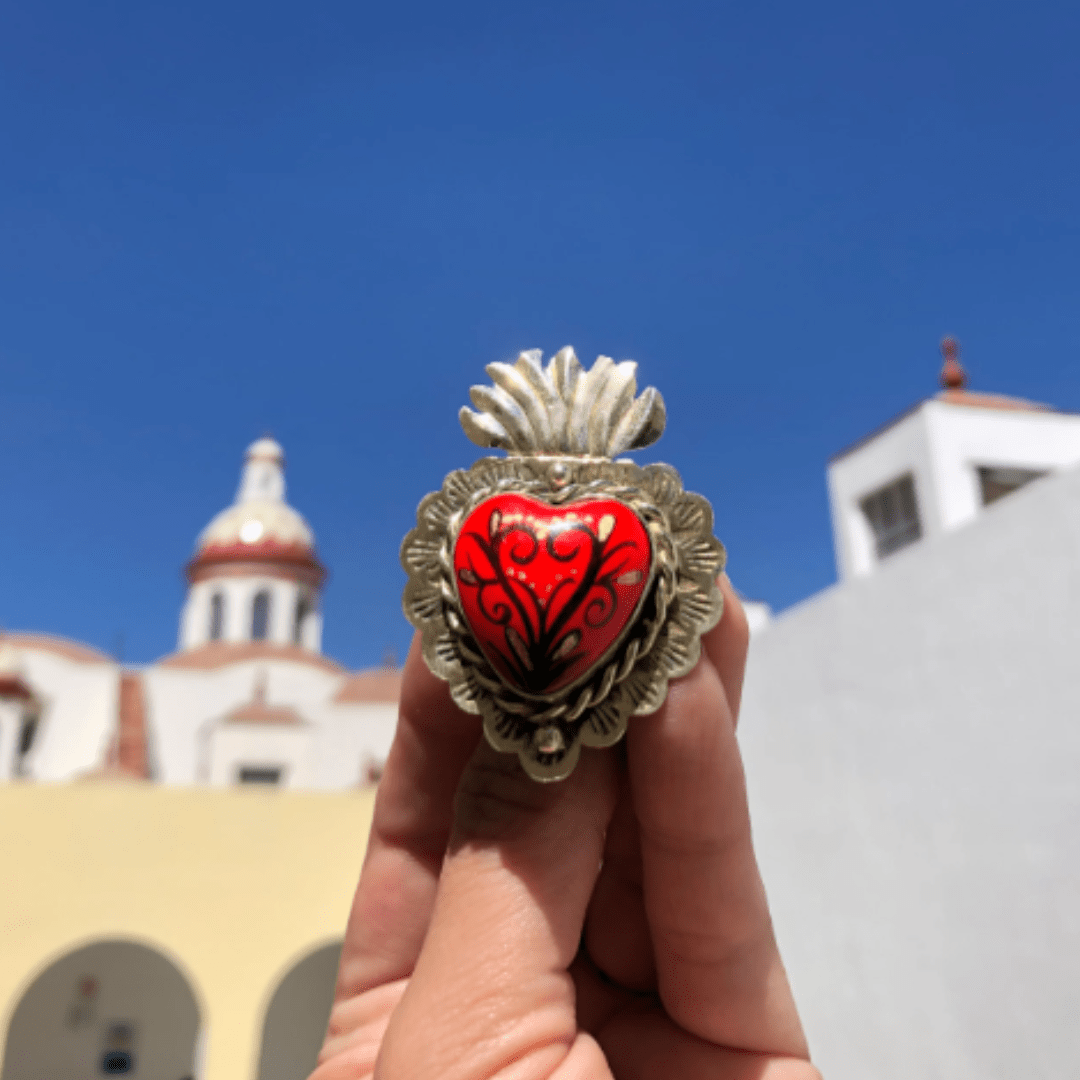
x=682 y=602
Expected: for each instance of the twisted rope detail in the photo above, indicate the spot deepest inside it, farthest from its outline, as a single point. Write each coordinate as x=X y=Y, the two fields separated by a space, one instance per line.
x=597 y=689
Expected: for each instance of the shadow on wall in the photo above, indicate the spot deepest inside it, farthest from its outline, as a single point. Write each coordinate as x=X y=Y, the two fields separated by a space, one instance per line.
x=296 y=1017
x=107 y=1009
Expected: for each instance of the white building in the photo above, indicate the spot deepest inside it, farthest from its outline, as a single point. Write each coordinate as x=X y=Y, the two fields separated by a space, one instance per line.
x=934 y=468
x=247 y=698
x=913 y=753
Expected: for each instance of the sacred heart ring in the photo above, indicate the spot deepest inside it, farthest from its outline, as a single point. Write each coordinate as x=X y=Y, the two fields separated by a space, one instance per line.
x=559 y=588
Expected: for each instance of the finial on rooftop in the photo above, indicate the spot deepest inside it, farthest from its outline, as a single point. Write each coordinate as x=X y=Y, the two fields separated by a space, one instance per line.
x=953 y=376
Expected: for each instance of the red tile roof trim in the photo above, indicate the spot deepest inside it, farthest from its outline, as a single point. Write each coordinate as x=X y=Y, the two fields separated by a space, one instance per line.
x=217 y=654
x=13 y=687
x=258 y=712
x=59 y=646
x=126 y=757
x=381 y=685
x=295 y=560
x=991 y=401
x=130 y=744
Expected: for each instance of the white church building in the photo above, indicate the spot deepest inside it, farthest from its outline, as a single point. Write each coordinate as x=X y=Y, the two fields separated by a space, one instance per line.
x=247 y=698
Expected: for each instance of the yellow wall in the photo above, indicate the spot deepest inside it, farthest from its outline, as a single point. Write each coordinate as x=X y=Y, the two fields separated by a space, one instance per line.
x=233 y=885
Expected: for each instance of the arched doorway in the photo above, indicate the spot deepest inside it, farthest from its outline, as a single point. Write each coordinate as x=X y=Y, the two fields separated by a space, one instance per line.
x=111 y=1008
x=296 y=1017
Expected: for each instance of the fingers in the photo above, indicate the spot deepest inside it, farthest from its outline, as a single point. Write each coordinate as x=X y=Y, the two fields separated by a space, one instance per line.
x=617 y=933
x=644 y=1044
x=490 y=989
x=641 y=1042
x=719 y=973
x=726 y=646
x=413 y=815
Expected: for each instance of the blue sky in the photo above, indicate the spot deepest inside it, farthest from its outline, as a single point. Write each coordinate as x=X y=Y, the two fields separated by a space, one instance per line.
x=218 y=219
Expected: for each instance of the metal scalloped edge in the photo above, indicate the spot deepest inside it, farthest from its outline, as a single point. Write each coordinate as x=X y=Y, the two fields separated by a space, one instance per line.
x=664 y=484
x=557 y=770
x=589 y=736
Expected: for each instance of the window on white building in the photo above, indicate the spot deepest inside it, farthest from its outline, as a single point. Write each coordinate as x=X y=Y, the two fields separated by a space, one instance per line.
x=259 y=774
x=217 y=616
x=996 y=481
x=303 y=610
x=893 y=514
x=27 y=733
x=260 y=616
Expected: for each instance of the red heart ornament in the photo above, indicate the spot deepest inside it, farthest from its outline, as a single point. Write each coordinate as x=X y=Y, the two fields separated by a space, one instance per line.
x=548 y=590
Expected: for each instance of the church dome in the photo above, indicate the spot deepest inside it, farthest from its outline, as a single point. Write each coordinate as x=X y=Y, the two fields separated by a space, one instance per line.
x=260 y=527
x=256 y=525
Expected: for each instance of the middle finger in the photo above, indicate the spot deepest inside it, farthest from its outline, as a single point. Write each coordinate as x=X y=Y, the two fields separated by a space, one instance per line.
x=617 y=936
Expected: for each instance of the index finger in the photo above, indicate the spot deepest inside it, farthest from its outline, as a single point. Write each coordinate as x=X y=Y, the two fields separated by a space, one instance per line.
x=411 y=825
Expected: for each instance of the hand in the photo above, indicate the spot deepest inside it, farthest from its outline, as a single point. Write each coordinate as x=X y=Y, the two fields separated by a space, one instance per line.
x=611 y=926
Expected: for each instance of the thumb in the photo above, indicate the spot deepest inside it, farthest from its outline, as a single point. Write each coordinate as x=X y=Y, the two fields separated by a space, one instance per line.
x=490 y=988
